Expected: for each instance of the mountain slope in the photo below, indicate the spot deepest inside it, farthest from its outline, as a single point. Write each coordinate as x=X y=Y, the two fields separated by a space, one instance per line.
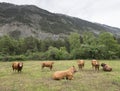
x=29 y=20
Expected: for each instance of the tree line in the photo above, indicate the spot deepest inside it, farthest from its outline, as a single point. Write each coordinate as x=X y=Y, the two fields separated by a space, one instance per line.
x=75 y=46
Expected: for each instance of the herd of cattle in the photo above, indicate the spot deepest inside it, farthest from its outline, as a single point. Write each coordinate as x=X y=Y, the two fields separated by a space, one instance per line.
x=68 y=74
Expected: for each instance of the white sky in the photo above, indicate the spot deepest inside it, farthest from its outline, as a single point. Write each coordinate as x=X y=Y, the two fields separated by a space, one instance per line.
x=100 y=11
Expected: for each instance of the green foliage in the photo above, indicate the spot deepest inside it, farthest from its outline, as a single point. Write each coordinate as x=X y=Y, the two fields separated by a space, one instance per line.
x=31 y=44
x=89 y=38
x=63 y=54
x=36 y=56
x=57 y=54
x=75 y=53
x=13 y=58
x=8 y=45
x=74 y=40
x=108 y=40
x=110 y=43
x=45 y=44
x=52 y=53
x=105 y=46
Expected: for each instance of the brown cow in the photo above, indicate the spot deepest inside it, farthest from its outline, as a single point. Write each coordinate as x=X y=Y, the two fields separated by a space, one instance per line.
x=17 y=66
x=68 y=74
x=48 y=64
x=95 y=64
x=106 y=67
x=81 y=64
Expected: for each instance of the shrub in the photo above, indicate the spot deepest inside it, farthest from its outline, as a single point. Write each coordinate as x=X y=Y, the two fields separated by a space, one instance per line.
x=13 y=58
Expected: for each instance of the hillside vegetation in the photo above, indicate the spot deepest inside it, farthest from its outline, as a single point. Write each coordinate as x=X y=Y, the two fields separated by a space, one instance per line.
x=29 y=20
x=75 y=46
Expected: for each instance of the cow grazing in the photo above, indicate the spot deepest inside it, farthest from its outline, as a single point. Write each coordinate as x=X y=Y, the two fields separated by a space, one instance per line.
x=81 y=64
x=68 y=74
x=17 y=66
x=106 y=67
x=48 y=64
x=95 y=64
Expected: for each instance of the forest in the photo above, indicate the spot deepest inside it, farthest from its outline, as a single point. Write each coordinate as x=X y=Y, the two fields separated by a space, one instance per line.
x=75 y=46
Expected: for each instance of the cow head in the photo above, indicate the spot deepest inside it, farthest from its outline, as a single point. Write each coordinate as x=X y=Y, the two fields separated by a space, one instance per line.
x=20 y=64
x=103 y=64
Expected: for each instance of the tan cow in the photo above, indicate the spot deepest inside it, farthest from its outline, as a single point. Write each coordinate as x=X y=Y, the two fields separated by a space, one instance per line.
x=95 y=64
x=68 y=74
x=48 y=64
x=81 y=64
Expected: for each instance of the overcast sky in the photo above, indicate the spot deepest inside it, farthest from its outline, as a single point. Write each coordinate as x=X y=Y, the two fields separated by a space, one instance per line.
x=100 y=11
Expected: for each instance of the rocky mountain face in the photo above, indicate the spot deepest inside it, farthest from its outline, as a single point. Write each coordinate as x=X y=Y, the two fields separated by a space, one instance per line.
x=29 y=20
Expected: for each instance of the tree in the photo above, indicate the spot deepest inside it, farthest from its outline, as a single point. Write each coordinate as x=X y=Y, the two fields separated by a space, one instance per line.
x=63 y=54
x=110 y=43
x=89 y=38
x=52 y=53
x=31 y=44
x=8 y=45
x=108 y=40
x=21 y=46
x=74 y=41
x=45 y=44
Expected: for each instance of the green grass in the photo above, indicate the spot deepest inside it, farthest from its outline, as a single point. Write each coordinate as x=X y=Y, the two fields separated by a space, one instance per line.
x=32 y=78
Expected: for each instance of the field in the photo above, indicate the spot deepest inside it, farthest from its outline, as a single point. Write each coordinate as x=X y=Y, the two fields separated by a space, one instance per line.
x=32 y=78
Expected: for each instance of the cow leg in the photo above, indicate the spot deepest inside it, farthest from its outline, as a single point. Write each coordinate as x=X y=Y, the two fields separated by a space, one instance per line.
x=42 y=66
x=66 y=78
x=51 y=67
x=13 y=69
x=93 y=67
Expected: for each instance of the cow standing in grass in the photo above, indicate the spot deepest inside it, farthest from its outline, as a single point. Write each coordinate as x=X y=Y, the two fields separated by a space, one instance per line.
x=81 y=64
x=68 y=74
x=17 y=66
x=95 y=64
x=48 y=64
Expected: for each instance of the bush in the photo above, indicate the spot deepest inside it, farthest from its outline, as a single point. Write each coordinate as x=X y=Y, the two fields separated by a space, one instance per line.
x=35 y=56
x=63 y=54
x=52 y=53
x=13 y=58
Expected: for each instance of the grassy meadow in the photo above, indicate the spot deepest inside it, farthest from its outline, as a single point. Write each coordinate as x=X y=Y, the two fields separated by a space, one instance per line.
x=32 y=78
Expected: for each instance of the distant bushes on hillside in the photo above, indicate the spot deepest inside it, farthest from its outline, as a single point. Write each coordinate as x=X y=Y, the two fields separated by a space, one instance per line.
x=86 y=46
